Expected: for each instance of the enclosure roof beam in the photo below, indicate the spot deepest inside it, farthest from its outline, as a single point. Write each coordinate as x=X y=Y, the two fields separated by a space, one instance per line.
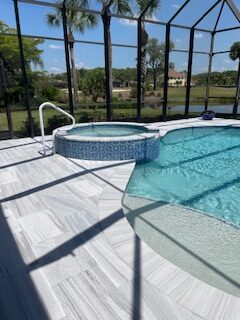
x=234 y=9
x=219 y=16
x=227 y=29
x=57 y=5
x=178 y=11
x=206 y=13
x=76 y=41
x=220 y=52
x=145 y=9
x=42 y=3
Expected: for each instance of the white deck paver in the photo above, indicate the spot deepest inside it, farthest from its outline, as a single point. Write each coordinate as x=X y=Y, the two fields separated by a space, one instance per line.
x=67 y=251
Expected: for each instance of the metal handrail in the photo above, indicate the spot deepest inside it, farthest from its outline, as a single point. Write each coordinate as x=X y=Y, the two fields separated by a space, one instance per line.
x=49 y=104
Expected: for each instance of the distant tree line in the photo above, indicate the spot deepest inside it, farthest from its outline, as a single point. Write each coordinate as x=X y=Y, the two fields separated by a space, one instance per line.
x=225 y=78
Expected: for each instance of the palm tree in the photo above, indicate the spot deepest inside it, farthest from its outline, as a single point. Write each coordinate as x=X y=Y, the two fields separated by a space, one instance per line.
x=119 y=7
x=76 y=22
x=234 y=55
x=142 y=4
x=235 y=51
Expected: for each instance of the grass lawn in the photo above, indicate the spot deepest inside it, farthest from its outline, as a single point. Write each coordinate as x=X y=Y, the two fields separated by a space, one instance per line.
x=200 y=92
x=179 y=93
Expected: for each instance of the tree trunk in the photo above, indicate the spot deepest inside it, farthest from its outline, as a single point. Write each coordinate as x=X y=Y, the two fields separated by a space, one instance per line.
x=154 y=80
x=144 y=38
x=108 y=61
x=235 y=107
x=73 y=69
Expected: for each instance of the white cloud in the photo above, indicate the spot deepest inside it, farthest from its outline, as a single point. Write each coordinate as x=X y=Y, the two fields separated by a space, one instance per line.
x=176 y=6
x=198 y=35
x=128 y=22
x=153 y=17
x=133 y=23
x=80 y=65
x=178 y=40
x=218 y=68
x=55 y=70
x=55 y=47
x=184 y=64
x=228 y=61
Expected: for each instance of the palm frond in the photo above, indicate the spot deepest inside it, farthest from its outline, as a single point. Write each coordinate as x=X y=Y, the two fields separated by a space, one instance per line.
x=142 y=4
x=83 y=21
x=122 y=7
x=235 y=51
x=53 y=19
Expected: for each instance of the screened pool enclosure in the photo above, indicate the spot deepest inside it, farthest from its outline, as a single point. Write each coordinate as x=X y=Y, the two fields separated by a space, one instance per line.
x=191 y=40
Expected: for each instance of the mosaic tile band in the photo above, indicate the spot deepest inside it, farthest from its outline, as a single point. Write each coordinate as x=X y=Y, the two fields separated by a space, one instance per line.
x=140 y=150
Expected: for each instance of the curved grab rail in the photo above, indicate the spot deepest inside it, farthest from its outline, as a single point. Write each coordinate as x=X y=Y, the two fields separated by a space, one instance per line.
x=49 y=104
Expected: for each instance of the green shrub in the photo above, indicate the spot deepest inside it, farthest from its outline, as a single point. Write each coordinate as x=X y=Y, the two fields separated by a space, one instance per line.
x=99 y=116
x=85 y=118
x=16 y=94
x=62 y=97
x=56 y=122
x=26 y=127
x=115 y=99
x=133 y=92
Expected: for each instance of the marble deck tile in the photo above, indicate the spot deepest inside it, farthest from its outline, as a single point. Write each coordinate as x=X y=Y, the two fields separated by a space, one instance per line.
x=85 y=188
x=147 y=303
x=57 y=265
x=106 y=207
x=92 y=296
x=39 y=226
x=117 y=271
x=111 y=193
x=165 y=270
x=11 y=219
x=7 y=176
x=24 y=247
x=48 y=298
x=79 y=223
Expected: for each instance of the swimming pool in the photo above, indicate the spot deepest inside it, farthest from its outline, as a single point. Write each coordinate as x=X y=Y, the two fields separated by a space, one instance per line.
x=197 y=167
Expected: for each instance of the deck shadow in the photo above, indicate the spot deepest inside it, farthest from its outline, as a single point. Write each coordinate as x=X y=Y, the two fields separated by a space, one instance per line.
x=19 y=298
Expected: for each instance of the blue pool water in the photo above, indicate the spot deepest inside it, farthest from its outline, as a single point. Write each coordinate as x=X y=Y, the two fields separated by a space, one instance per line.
x=196 y=167
x=107 y=131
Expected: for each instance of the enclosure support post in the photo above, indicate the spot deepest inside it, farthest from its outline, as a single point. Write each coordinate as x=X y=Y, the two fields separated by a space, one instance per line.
x=211 y=54
x=66 y=46
x=9 y=117
x=189 y=72
x=236 y=102
x=139 y=69
x=108 y=79
x=4 y=94
x=23 y=67
x=166 y=68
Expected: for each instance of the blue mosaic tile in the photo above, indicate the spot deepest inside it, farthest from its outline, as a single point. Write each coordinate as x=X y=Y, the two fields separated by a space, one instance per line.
x=140 y=150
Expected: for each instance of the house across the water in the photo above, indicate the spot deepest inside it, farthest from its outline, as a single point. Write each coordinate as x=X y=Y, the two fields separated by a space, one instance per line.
x=176 y=79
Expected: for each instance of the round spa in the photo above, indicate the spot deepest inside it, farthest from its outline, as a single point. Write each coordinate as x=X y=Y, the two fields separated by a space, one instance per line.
x=108 y=141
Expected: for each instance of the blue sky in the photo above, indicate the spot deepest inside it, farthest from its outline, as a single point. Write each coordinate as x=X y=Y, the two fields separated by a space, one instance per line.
x=33 y=21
